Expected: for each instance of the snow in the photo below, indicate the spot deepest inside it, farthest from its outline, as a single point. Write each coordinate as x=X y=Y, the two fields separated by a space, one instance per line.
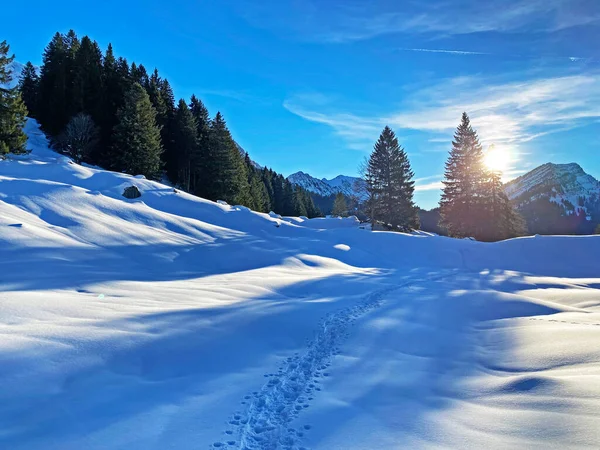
x=342 y=183
x=169 y=321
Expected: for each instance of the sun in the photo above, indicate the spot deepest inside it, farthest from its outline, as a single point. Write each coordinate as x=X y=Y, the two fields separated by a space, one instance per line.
x=497 y=159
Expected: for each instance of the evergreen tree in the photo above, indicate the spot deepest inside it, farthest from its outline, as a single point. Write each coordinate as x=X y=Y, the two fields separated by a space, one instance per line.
x=200 y=179
x=136 y=146
x=87 y=87
x=462 y=205
x=113 y=92
x=259 y=197
x=390 y=184
x=185 y=134
x=340 y=208
x=72 y=45
x=28 y=86
x=226 y=171
x=52 y=110
x=501 y=220
x=12 y=109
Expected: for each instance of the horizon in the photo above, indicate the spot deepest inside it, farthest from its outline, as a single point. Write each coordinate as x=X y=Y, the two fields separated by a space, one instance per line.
x=320 y=81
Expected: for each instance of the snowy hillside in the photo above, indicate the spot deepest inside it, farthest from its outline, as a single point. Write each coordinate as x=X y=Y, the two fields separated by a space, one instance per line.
x=344 y=184
x=170 y=321
x=565 y=184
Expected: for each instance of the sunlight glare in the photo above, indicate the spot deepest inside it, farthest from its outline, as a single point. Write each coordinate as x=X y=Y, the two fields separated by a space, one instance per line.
x=497 y=159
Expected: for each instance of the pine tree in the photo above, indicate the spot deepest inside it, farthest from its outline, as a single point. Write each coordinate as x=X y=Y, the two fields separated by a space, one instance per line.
x=87 y=79
x=28 y=86
x=185 y=134
x=200 y=179
x=462 y=205
x=12 y=109
x=136 y=146
x=72 y=45
x=226 y=171
x=500 y=220
x=52 y=110
x=340 y=208
x=113 y=93
x=259 y=197
x=390 y=184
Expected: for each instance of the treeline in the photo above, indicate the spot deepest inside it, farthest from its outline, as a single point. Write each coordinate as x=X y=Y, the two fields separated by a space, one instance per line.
x=100 y=109
x=12 y=109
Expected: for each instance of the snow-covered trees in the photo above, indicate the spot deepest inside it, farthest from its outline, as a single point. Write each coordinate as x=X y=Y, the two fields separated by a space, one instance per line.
x=12 y=108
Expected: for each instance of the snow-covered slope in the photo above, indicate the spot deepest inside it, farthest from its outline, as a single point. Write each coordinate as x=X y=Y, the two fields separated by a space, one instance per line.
x=342 y=183
x=169 y=321
x=565 y=184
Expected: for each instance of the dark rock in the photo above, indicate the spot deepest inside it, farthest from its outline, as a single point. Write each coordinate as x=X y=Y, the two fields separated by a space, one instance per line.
x=131 y=192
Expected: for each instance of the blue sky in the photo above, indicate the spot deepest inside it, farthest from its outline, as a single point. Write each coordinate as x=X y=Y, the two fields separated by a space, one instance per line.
x=308 y=85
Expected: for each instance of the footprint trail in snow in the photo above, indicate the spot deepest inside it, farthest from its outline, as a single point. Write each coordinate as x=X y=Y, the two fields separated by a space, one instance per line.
x=266 y=423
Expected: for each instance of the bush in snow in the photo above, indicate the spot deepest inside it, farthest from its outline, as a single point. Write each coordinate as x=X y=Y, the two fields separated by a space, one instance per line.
x=131 y=192
x=79 y=138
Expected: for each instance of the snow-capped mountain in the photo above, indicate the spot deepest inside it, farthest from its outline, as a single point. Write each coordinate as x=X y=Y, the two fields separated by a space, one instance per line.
x=15 y=68
x=564 y=184
x=346 y=185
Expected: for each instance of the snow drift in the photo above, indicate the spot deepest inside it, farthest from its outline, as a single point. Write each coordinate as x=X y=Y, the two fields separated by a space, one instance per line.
x=169 y=321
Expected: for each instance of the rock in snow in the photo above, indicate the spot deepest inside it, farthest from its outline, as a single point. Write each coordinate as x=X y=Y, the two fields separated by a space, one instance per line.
x=176 y=323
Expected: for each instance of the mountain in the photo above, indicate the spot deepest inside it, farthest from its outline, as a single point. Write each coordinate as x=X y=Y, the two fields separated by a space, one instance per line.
x=243 y=153
x=561 y=193
x=349 y=186
x=14 y=68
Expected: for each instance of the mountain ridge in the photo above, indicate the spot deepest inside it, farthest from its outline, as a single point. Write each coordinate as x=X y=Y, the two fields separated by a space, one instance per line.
x=347 y=185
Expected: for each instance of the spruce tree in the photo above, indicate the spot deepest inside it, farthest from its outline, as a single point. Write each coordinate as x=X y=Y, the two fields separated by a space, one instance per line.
x=12 y=109
x=390 y=184
x=72 y=45
x=87 y=79
x=500 y=218
x=226 y=171
x=111 y=101
x=340 y=208
x=185 y=134
x=136 y=146
x=28 y=86
x=200 y=179
x=52 y=110
x=462 y=205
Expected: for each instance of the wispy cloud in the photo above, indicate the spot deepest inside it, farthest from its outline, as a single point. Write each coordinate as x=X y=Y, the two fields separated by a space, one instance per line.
x=352 y=23
x=451 y=52
x=507 y=114
x=228 y=93
x=433 y=186
x=359 y=132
